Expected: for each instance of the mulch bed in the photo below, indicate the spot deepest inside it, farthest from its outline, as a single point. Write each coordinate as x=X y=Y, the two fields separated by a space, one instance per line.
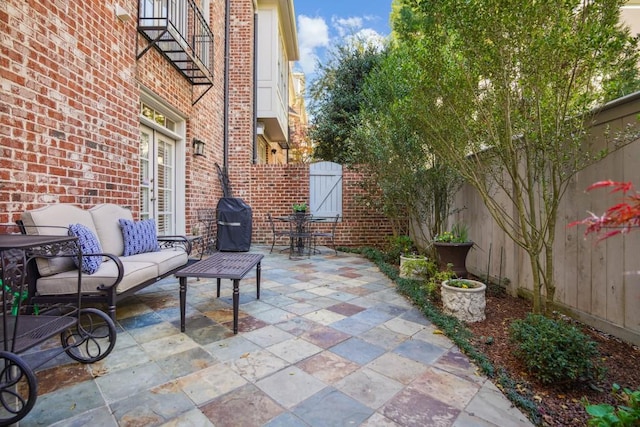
x=558 y=405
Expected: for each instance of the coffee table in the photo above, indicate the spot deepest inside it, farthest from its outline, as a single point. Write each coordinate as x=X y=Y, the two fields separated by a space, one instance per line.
x=221 y=265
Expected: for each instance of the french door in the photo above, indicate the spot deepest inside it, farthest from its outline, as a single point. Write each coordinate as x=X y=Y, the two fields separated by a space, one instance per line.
x=158 y=179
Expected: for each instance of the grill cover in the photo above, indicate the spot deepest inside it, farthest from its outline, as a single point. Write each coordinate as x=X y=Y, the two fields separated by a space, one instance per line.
x=234 y=225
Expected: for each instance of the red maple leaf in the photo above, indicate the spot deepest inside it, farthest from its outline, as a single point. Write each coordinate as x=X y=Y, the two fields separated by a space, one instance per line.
x=617 y=219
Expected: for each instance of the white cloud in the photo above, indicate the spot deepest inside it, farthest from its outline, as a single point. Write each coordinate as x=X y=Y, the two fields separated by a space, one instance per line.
x=352 y=29
x=346 y=26
x=368 y=36
x=314 y=37
x=313 y=33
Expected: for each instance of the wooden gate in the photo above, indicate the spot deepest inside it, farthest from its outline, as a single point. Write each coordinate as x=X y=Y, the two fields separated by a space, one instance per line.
x=325 y=189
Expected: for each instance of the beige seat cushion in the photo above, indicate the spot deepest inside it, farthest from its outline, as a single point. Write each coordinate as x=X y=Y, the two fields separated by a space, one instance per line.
x=105 y=217
x=66 y=283
x=54 y=220
x=165 y=260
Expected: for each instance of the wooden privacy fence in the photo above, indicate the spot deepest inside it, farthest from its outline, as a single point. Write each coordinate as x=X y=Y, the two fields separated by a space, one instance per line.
x=597 y=283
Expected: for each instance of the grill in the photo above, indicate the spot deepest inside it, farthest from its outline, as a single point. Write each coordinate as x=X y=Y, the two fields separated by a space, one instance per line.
x=234 y=225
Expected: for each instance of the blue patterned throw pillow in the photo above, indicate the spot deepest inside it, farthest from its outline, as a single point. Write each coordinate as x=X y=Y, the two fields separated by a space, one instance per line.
x=88 y=244
x=139 y=237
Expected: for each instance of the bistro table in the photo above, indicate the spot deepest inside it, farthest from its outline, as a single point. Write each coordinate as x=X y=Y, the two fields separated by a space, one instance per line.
x=301 y=232
x=221 y=265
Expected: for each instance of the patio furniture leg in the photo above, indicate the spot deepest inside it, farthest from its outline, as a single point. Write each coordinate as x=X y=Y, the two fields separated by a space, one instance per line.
x=275 y=232
x=258 y=270
x=236 y=304
x=183 y=301
x=218 y=283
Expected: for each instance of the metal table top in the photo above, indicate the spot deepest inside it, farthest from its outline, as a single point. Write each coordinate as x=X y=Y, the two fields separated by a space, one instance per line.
x=222 y=265
x=24 y=241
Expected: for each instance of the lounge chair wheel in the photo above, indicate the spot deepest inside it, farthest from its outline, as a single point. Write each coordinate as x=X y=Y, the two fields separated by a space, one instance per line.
x=92 y=338
x=18 y=388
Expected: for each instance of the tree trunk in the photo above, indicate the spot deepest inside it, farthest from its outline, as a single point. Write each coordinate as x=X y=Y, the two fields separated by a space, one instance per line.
x=537 y=295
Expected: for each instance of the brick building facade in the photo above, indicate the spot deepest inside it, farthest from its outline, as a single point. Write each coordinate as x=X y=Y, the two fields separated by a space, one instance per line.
x=89 y=116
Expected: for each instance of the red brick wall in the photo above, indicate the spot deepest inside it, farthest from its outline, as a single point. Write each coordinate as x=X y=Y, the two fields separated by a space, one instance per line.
x=241 y=96
x=69 y=107
x=275 y=188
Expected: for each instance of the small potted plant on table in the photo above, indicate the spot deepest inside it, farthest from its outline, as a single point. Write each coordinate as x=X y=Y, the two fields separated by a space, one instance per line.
x=300 y=208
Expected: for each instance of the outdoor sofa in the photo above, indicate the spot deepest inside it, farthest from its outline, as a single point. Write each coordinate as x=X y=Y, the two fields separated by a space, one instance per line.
x=120 y=256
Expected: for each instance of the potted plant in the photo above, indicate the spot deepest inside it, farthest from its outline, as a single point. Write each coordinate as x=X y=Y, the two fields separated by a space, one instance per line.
x=413 y=266
x=300 y=207
x=452 y=248
x=410 y=262
x=401 y=244
x=464 y=299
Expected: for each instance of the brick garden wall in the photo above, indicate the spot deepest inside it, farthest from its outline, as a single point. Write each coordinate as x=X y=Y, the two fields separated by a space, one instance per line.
x=275 y=188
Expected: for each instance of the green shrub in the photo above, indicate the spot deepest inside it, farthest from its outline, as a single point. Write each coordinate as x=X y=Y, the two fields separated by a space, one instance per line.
x=398 y=245
x=626 y=414
x=553 y=350
x=433 y=282
x=428 y=273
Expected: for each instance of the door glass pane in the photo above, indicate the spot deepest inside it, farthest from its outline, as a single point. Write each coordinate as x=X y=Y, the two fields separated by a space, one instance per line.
x=157 y=178
x=165 y=202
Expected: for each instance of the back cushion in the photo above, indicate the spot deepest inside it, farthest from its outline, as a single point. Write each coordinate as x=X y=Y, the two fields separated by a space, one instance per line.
x=54 y=220
x=105 y=217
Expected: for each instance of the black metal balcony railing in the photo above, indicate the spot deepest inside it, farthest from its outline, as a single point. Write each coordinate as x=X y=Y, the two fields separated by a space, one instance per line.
x=178 y=30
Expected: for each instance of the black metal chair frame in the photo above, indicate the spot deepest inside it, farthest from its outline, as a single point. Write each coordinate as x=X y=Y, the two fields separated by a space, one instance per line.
x=207 y=217
x=328 y=234
x=277 y=232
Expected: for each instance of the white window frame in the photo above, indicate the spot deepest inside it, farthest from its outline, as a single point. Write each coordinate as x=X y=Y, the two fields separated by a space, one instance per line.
x=179 y=135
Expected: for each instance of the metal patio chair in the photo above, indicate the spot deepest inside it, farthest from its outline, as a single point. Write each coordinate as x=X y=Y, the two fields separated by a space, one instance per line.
x=277 y=232
x=331 y=235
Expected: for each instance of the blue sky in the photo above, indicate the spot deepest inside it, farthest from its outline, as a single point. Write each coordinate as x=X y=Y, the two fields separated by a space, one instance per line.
x=325 y=23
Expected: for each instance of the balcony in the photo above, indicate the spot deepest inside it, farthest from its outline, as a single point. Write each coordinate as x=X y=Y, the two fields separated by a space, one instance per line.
x=179 y=31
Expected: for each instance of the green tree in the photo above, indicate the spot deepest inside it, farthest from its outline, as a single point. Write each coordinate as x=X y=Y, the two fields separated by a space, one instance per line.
x=403 y=178
x=336 y=98
x=507 y=92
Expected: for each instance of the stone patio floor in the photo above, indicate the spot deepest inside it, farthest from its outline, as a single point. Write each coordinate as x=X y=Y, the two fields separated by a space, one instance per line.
x=329 y=343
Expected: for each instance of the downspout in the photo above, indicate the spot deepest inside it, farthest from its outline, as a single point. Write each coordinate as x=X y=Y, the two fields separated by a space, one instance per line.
x=255 y=81
x=225 y=113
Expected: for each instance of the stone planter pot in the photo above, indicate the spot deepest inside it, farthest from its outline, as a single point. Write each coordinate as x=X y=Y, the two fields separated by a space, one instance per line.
x=454 y=254
x=415 y=271
x=465 y=304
